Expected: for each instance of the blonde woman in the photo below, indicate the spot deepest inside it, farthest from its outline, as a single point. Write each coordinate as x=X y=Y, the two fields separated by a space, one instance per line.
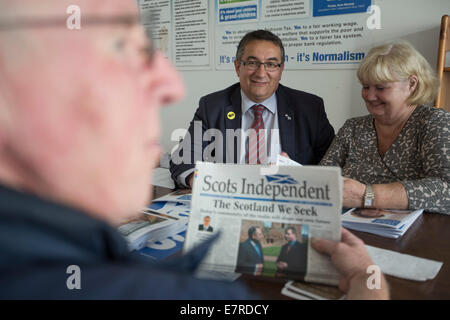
x=398 y=156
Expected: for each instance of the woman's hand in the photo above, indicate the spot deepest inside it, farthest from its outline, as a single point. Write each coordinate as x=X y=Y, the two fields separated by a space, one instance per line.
x=353 y=193
x=389 y=195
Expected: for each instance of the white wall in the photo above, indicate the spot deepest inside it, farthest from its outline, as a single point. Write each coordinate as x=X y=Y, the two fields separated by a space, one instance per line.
x=417 y=21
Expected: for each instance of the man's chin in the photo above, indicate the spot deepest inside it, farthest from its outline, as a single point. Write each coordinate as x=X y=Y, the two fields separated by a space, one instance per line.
x=259 y=97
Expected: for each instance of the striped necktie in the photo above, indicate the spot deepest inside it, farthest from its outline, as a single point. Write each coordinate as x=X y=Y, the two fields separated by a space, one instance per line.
x=257 y=137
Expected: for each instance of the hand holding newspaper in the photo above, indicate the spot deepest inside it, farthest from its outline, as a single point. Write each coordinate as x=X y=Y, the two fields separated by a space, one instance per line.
x=266 y=217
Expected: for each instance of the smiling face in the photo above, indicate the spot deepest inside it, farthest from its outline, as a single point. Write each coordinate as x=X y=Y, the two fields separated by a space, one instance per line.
x=258 y=85
x=386 y=102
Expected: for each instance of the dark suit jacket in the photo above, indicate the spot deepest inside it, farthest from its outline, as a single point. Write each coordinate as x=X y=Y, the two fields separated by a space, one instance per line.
x=305 y=132
x=201 y=227
x=296 y=259
x=248 y=257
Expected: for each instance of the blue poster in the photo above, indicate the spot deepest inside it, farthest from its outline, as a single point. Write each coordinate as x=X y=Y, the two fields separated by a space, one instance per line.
x=238 y=13
x=334 y=7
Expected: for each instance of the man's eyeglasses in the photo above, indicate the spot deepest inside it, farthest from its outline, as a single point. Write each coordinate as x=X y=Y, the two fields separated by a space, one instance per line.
x=90 y=21
x=253 y=65
x=49 y=22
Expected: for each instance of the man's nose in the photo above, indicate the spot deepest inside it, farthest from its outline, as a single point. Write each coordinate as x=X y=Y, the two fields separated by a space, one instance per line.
x=167 y=81
x=261 y=70
x=158 y=76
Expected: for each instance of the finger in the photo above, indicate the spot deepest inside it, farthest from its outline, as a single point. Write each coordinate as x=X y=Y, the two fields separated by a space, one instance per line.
x=191 y=180
x=284 y=154
x=324 y=246
x=349 y=238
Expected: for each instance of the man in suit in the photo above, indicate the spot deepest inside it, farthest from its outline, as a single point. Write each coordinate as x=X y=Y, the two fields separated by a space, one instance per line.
x=293 y=256
x=256 y=119
x=250 y=255
x=205 y=226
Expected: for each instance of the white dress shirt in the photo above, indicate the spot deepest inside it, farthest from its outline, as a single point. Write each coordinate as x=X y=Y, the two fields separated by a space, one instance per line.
x=270 y=118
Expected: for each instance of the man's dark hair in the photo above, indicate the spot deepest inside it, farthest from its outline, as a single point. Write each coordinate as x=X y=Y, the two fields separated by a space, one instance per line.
x=292 y=230
x=252 y=231
x=259 y=35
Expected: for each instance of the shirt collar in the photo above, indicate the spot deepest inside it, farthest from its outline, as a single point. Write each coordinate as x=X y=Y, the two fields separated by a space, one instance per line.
x=270 y=103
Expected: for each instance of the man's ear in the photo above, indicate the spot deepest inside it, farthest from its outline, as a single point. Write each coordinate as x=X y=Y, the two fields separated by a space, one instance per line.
x=281 y=71
x=6 y=116
x=237 y=66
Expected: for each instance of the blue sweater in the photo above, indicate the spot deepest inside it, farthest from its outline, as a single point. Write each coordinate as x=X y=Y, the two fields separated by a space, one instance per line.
x=39 y=240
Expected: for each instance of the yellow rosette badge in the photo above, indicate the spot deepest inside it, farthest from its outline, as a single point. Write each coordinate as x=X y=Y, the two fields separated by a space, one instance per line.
x=231 y=115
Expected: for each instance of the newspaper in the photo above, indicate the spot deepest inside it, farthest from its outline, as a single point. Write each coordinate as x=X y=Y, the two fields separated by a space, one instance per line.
x=310 y=291
x=285 y=161
x=388 y=223
x=282 y=207
x=175 y=209
x=165 y=217
x=150 y=227
x=182 y=196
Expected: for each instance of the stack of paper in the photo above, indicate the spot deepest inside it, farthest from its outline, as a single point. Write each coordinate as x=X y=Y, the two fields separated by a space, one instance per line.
x=311 y=291
x=182 y=196
x=150 y=227
x=176 y=204
x=383 y=222
x=165 y=217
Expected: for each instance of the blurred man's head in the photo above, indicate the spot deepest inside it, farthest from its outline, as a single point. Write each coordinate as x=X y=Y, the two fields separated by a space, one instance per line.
x=206 y=221
x=290 y=234
x=255 y=233
x=79 y=118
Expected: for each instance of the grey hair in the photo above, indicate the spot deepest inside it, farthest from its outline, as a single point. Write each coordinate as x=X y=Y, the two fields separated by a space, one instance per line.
x=259 y=35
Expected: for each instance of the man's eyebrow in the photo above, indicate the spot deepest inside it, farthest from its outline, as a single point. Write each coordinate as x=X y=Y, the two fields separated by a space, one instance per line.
x=120 y=19
x=268 y=59
x=22 y=22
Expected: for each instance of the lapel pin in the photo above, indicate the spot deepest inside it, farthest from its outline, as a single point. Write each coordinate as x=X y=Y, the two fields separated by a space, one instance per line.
x=287 y=116
x=231 y=115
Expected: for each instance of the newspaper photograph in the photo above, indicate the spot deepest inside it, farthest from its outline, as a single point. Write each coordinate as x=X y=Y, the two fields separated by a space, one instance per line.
x=266 y=217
